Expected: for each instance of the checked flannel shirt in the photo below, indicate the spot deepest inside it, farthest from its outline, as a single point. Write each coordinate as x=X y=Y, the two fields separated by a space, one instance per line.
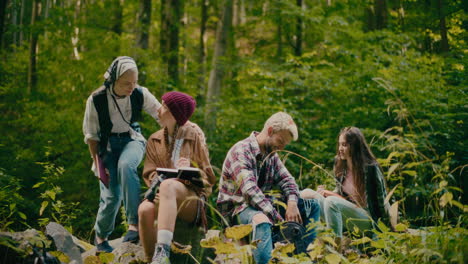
x=238 y=188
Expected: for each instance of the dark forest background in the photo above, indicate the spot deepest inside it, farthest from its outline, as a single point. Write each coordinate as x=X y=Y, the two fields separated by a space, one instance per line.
x=394 y=68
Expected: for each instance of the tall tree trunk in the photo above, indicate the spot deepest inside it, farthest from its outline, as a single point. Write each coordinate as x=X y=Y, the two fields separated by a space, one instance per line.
x=21 y=34
x=3 y=5
x=117 y=21
x=279 y=35
x=144 y=17
x=223 y=31
x=298 y=46
x=76 y=30
x=174 y=28
x=32 y=71
x=171 y=14
x=381 y=14
x=444 y=45
x=201 y=50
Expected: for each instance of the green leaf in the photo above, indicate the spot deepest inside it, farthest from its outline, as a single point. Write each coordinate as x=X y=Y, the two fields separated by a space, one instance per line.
x=43 y=207
x=23 y=216
x=410 y=172
x=106 y=257
x=37 y=184
x=401 y=227
x=445 y=199
x=392 y=169
x=333 y=259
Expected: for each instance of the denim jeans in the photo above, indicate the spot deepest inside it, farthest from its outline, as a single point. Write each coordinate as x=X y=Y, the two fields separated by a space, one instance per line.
x=122 y=162
x=340 y=214
x=310 y=211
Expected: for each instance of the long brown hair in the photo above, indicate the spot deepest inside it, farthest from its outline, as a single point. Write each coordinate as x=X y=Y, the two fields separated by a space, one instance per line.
x=361 y=156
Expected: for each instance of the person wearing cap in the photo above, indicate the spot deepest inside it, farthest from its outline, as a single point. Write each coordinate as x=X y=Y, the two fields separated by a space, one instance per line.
x=180 y=143
x=250 y=171
x=114 y=140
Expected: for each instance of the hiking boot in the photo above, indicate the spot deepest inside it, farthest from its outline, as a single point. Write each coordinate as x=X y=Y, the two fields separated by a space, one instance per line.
x=132 y=237
x=104 y=247
x=161 y=254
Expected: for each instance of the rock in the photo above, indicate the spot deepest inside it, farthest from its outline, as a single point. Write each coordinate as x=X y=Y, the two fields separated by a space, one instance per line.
x=64 y=242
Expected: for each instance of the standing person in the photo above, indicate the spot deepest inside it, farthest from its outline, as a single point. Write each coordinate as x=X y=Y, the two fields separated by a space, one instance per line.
x=359 y=197
x=250 y=170
x=180 y=143
x=114 y=138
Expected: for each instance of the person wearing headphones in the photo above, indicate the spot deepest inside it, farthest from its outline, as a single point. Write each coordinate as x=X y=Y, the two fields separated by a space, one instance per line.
x=117 y=146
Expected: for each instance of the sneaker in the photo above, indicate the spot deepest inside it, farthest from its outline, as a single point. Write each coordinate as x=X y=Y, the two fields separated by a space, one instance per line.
x=132 y=237
x=161 y=254
x=103 y=247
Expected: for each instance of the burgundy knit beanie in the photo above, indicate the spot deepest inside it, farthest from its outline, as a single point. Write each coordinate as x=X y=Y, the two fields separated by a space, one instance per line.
x=181 y=106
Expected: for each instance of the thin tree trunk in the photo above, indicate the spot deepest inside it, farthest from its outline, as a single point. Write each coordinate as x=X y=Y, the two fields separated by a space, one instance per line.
x=3 y=5
x=76 y=32
x=381 y=14
x=444 y=45
x=279 y=35
x=144 y=16
x=174 y=28
x=223 y=30
x=21 y=34
x=298 y=46
x=201 y=51
x=32 y=71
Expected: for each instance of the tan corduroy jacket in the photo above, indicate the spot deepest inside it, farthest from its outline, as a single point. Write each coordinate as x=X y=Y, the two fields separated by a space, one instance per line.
x=193 y=148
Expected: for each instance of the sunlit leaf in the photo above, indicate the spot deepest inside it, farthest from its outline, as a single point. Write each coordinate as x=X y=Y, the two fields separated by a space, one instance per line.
x=284 y=248
x=360 y=241
x=44 y=204
x=445 y=199
x=180 y=249
x=61 y=256
x=389 y=195
x=106 y=257
x=393 y=214
x=238 y=231
x=329 y=240
x=92 y=260
x=392 y=169
x=23 y=216
x=333 y=258
x=400 y=227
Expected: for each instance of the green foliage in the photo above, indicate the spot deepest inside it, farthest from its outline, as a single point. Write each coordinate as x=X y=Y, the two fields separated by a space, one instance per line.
x=11 y=217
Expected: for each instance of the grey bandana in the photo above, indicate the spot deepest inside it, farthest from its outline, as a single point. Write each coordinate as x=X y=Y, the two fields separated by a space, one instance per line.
x=118 y=67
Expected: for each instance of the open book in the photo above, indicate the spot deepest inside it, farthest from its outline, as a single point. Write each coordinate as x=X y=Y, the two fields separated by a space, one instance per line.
x=184 y=173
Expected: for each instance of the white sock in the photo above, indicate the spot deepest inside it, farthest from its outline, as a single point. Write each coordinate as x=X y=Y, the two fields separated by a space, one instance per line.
x=165 y=237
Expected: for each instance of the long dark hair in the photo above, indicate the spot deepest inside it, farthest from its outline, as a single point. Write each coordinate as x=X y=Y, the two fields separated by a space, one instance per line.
x=361 y=156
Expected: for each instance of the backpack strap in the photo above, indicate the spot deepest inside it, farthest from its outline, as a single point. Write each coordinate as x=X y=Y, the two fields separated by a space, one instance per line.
x=136 y=99
x=102 y=109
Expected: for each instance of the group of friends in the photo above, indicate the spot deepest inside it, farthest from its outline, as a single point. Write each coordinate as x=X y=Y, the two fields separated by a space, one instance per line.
x=252 y=168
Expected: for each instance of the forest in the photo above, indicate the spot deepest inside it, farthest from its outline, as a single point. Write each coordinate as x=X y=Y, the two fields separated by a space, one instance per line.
x=394 y=68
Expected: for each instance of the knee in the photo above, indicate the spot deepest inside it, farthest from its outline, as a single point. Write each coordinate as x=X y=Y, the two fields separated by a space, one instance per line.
x=308 y=194
x=169 y=188
x=125 y=164
x=260 y=219
x=146 y=209
x=329 y=203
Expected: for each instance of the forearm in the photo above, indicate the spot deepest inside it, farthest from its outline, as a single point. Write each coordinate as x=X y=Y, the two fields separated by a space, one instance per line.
x=93 y=149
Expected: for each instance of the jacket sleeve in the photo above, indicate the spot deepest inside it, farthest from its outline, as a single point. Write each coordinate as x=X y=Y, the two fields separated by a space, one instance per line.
x=203 y=162
x=285 y=181
x=381 y=193
x=149 y=168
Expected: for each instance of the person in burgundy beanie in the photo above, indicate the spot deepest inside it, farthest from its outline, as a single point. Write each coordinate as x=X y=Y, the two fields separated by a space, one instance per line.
x=181 y=106
x=180 y=143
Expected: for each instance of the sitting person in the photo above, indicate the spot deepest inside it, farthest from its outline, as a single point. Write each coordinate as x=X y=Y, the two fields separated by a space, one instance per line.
x=358 y=200
x=251 y=169
x=180 y=143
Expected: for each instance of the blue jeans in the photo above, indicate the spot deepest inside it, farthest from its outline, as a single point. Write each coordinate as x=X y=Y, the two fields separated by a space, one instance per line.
x=340 y=214
x=310 y=211
x=122 y=162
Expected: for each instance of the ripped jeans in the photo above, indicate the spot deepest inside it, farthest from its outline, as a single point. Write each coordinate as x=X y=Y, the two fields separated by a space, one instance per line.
x=310 y=211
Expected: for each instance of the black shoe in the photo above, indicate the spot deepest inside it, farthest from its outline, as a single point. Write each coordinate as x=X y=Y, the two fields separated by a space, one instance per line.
x=132 y=237
x=104 y=247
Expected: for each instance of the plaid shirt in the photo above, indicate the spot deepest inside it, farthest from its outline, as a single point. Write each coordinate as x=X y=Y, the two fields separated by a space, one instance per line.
x=238 y=188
